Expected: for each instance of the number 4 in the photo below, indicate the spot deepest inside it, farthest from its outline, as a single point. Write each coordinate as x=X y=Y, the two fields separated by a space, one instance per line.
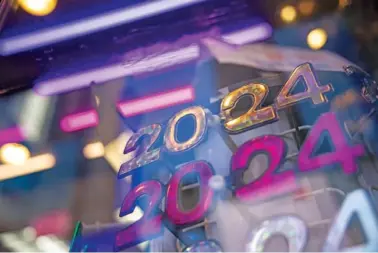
x=344 y=154
x=358 y=203
x=313 y=90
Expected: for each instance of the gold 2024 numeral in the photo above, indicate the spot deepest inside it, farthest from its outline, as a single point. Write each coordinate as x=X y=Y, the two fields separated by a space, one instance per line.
x=257 y=116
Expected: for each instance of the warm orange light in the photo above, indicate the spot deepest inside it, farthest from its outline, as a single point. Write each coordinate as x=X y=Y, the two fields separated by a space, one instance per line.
x=31 y=165
x=306 y=7
x=38 y=7
x=94 y=150
x=14 y=154
x=317 y=38
x=343 y=3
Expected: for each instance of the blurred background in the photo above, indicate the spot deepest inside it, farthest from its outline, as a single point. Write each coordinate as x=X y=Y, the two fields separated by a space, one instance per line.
x=67 y=66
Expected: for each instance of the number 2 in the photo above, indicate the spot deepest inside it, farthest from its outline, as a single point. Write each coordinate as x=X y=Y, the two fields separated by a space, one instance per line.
x=254 y=117
x=270 y=183
x=313 y=90
x=147 y=156
x=147 y=227
x=151 y=224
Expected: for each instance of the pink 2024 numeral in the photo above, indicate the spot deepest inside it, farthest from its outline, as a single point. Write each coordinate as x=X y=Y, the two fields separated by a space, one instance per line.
x=270 y=183
x=173 y=209
x=344 y=153
x=147 y=227
x=151 y=224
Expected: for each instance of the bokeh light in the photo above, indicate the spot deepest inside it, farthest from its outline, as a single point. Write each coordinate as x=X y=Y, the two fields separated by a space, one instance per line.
x=288 y=13
x=14 y=154
x=97 y=99
x=45 y=160
x=94 y=150
x=38 y=7
x=344 y=3
x=317 y=38
x=306 y=7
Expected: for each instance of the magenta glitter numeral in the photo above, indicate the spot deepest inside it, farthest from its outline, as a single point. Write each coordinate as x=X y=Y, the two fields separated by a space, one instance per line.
x=270 y=183
x=344 y=153
x=173 y=210
x=147 y=227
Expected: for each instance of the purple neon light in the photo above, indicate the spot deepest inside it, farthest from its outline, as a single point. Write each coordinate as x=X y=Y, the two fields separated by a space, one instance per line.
x=147 y=64
x=89 y=25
